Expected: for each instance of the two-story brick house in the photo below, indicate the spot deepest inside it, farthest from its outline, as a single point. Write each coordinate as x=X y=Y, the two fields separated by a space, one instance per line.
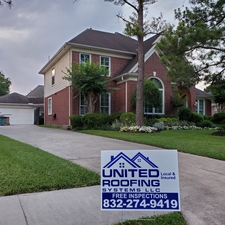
x=119 y=54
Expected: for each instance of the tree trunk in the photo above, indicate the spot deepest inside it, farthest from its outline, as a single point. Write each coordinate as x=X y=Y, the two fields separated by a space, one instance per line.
x=140 y=81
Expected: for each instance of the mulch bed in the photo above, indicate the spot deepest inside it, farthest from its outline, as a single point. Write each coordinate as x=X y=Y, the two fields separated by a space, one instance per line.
x=219 y=133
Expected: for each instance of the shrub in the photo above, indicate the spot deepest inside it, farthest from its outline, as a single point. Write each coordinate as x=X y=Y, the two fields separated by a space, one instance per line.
x=208 y=118
x=218 y=117
x=205 y=123
x=76 y=122
x=159 y=126
x=95 y=120
x=196 y=118
x=127 y=118
x=184 y=113
x=41 y=120
x=167 y=120
x=114 y=117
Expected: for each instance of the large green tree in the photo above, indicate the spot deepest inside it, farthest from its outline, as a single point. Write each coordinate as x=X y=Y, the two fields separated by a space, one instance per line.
x=136 y=26
x=195 y=49
x=4 y=84
x=89 y=79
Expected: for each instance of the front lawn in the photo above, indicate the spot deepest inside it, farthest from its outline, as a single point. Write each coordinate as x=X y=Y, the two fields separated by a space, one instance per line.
x=174 y=218
x=25 y=169
x=198 y=142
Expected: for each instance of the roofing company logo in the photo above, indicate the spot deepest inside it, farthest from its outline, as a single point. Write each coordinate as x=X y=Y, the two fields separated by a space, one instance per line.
x=138 y=161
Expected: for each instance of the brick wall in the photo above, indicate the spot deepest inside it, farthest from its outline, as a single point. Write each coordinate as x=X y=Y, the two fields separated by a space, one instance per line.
x=60 y=107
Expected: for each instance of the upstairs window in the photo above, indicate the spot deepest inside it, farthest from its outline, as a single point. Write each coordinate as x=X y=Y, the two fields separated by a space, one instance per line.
x=84 y=58
x=105 y=62
x=53 y=76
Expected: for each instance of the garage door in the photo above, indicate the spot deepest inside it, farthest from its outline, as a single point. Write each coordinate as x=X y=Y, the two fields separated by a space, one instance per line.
x=19 y=115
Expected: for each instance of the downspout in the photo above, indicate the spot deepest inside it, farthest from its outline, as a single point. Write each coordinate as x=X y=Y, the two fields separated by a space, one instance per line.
x=126 y=96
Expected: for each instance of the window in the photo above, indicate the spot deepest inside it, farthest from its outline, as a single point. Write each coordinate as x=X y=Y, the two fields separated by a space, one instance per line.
x=105 y=61
x=83 y=107
x=84 y=58
x=105 y=103
x=50 y=106
x=53 y=76
x=148 y=110
x=200 y=106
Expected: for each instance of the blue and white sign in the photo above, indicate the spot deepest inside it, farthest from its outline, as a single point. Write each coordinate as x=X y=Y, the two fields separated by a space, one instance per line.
x=140 y=180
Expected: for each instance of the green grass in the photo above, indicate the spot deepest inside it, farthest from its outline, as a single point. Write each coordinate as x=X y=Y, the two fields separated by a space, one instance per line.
x=25 y=169
x=174 y=218
x=198 y=142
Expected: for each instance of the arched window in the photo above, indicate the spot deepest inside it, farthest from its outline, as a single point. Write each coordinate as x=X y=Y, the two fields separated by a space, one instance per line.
x=148 y=110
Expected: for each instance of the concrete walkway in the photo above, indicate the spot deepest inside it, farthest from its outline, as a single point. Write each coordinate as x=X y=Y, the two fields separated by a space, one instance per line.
x=202 y=184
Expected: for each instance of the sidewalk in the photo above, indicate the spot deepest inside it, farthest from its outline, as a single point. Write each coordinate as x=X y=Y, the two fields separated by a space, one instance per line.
x=202 y=184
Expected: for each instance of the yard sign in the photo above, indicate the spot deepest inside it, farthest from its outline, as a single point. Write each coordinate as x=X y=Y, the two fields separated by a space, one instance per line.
x=140 y=180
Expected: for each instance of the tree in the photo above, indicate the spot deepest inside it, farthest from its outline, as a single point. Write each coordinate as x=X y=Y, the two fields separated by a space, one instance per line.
x=199 y=39
x=217 y=88
x=136 y=26
x=4 y=84
x=152 y=95
x=9 y=2
x=90 y=80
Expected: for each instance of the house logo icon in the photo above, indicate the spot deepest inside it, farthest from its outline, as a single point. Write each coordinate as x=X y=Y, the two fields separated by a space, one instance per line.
x=122 y=160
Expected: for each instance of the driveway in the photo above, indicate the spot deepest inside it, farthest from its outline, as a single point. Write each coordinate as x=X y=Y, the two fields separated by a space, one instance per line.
x=202 y=180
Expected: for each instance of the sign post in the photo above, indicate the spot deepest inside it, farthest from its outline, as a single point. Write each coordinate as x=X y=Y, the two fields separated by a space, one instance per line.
x=134 y=180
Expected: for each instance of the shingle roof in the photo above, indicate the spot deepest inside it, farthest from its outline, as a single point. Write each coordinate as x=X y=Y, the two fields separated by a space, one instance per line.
x=202 y=94
x=37 y=92
x=114 y=41
x=14 y=98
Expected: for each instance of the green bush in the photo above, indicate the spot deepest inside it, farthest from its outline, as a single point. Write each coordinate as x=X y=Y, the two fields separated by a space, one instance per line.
x=208 y=118
x=196 y=118
x=41 y=120
x=95 y=120
x=218 y=117
x=205 y=123
x=167 y=120
x=150 y=121
x=184 y=113
x=114 y=117
x=128 y=118
x=76 y=122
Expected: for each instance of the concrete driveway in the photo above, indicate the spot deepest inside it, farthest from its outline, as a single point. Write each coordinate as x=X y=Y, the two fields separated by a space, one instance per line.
x=202 y=180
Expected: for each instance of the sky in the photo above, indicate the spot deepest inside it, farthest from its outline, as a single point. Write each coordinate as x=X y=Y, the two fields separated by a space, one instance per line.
x=32 y=31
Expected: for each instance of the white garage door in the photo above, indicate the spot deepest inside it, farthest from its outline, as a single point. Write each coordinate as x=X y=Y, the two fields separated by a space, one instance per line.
x=19 y=115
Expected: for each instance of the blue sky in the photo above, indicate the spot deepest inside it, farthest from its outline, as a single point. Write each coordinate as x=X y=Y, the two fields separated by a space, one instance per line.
x=33 y=30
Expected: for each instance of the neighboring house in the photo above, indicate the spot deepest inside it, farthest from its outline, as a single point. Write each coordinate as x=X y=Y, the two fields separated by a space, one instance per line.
x=21 y=109
x=203 y=102
x=118 y=53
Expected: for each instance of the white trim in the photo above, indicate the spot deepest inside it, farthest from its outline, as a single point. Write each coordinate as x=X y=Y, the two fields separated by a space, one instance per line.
x=50 y=111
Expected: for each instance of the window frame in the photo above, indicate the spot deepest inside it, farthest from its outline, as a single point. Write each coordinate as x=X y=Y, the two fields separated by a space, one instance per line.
x=84 y=54
x=50 y=106
x=153 y=110
x=109 y=104
x=198 y=110
x=85 y=107
x=109 y=67
x=53 y=76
